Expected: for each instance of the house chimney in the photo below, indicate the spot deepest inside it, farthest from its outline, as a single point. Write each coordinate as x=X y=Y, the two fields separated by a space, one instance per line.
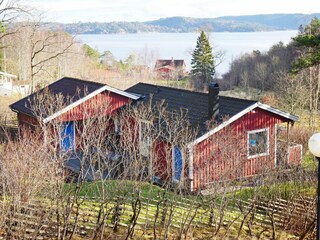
x=213 y=100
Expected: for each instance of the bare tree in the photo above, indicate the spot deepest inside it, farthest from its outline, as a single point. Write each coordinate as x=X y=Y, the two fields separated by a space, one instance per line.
x=10 y=12
x=291 y=92
x=45 y=46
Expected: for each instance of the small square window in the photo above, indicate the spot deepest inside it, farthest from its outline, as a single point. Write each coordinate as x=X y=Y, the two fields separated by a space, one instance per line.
x=258 y=143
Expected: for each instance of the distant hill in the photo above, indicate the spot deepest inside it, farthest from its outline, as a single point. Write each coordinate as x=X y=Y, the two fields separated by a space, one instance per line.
x=250 y=23
x=280 y=21
x=185 y=24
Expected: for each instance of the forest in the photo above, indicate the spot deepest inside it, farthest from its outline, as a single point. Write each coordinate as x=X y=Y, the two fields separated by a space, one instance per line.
x=284 y=75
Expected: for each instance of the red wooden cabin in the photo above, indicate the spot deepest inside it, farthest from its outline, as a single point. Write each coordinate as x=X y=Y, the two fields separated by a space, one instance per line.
x=245 y=142
x=242 y=144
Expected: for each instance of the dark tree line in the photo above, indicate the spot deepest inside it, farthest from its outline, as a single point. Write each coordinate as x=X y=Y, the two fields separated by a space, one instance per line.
x=260 y=70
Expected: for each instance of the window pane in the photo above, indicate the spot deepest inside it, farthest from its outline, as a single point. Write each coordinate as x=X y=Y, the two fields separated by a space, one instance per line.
x=258 y=143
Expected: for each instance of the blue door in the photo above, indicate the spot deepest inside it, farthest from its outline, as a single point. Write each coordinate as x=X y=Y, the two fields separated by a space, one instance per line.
x=178 y=163
x=67 y=137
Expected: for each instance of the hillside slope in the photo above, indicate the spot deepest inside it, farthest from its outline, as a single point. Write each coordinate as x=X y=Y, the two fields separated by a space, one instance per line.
x=250 y=23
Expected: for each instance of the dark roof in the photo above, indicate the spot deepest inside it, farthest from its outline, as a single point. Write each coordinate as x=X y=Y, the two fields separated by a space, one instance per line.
x=195 y=102
x=169 y=62
x=70 y=88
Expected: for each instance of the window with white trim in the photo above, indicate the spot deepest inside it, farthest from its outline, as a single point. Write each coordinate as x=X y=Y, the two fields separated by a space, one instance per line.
x=144 y=137
x=258 y=143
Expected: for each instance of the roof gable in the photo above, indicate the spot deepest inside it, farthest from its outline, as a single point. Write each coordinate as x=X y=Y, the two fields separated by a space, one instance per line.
x=242 y=113
x=278 y=112
x=73 y=91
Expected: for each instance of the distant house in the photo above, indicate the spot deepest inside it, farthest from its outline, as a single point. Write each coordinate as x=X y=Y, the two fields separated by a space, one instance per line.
x=170 y=69
x=244 y=142
x=7 y=88
x=6 y=85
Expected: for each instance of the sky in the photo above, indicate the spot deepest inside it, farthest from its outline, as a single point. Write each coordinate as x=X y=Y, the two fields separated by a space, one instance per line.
x=69 y=11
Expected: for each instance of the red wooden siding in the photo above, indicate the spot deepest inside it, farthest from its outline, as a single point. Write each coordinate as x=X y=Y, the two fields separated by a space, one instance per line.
x=103 y=103
x=29 y=127
x=295 y=155
x=215 y=159
x=224 y=155
x=162 y=160
x=26 y=121
x=164 y=73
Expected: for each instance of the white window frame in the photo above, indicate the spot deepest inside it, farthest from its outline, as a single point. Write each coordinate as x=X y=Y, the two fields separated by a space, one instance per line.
x=248 y=143
x=144 y=146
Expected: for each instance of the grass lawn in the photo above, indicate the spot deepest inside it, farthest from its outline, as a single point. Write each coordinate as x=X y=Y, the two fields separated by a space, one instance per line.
x=177 y=210
x=126 y=188
x=184 y=208
x=287 y=190
x=5 y=101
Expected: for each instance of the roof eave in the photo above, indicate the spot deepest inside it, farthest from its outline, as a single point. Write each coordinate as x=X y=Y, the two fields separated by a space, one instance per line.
x=288 y=116
x=278 y=112
x=224 y=124
x=94 y=93
x=13 y=109
x=122 y=93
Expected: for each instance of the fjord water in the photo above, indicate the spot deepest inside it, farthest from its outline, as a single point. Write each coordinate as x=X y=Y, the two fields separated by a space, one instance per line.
x=151 y=46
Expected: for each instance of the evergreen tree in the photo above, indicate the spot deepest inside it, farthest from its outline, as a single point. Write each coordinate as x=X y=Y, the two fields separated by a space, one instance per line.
x=309 y=43
x=202 y=62
x=92 y=53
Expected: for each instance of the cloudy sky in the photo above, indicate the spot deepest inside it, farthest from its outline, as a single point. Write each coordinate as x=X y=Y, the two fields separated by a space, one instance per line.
x=142 y=10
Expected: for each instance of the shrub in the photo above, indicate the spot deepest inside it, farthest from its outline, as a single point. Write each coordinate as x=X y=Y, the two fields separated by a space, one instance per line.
x=300 y=135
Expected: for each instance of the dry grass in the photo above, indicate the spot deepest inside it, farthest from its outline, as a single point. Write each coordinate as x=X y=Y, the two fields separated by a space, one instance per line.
x=5 y=101
x=304 y=120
